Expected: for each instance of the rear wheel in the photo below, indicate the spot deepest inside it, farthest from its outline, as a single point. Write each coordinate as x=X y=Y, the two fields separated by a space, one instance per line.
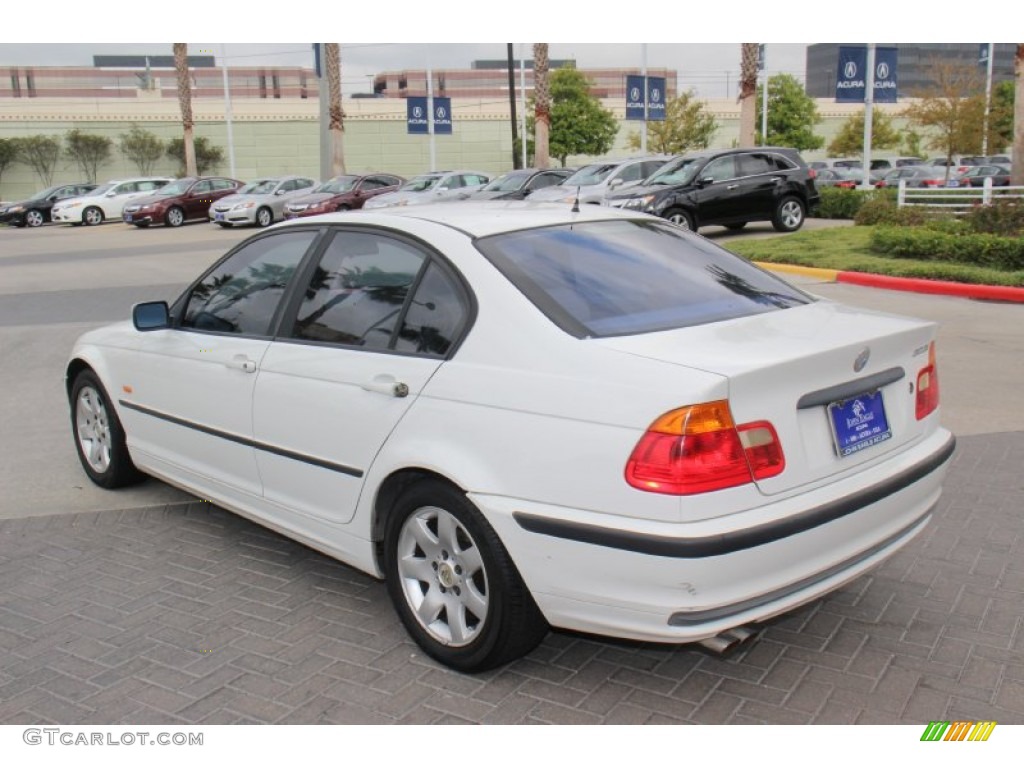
x=453 y=583
x=99 y=437
x=175 y=217
x=680 y=218
x=789 y=215
x=92 y=216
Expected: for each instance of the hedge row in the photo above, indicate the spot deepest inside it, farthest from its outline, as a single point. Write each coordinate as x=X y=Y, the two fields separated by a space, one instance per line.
x=932 y=243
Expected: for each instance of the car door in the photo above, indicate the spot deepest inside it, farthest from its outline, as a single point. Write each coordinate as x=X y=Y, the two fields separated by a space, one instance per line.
x=188 y=391
x=375 y=321
x=755 y=190
x=198 y=199
x=716 y=183
x=451 y=188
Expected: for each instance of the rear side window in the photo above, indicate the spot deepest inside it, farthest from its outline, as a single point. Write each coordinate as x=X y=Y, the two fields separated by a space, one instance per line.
x=614 y=278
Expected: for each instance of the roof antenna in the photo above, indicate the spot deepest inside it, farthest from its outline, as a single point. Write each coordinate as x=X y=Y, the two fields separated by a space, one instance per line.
x=576 y=202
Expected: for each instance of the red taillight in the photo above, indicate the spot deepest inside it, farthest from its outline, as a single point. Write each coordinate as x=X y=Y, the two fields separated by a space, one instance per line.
x=812 y=173
x=699 y=449
x=927 y=386
x=932 y=183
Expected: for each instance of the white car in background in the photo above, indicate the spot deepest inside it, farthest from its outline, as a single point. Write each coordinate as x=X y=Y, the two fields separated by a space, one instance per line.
x=260 y=202
x=521 y=416
x=106 y=201
x=592 y=182
x=436 y=187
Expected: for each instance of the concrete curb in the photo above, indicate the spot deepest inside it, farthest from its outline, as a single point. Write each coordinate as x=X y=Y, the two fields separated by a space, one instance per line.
x=910 y=284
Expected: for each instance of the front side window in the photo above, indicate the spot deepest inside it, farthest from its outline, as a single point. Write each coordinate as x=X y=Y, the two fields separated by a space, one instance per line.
x=241 y=294
x=613 y=278
x=722 y=169
x=358 y=290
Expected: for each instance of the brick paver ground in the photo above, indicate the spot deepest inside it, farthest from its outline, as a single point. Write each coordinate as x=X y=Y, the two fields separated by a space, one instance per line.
x=188 y=614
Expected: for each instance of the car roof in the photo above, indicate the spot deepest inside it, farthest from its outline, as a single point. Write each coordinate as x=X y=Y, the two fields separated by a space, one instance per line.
x=480 y=219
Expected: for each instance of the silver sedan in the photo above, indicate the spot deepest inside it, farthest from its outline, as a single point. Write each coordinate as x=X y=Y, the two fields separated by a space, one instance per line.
x=260 y=202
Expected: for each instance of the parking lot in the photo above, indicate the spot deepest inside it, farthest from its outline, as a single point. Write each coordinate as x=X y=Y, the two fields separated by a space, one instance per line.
x=148 y=606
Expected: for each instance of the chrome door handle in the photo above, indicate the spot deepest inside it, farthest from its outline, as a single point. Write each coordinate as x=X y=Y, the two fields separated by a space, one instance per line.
x=385 y=384
x=242 y=362
x=733 y=186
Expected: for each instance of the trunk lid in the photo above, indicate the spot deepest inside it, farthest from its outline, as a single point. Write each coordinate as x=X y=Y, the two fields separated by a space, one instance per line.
x=786 y=367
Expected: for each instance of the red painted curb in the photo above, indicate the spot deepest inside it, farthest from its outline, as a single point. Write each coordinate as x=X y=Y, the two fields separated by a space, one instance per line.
x=941 y=287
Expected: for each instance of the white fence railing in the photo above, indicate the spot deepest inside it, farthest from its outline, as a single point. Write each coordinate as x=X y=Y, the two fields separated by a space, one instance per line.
x=956 y=200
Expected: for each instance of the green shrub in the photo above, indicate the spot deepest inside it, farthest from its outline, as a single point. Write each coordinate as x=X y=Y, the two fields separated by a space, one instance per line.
x=1002 y=217
x=882 y=209
x=933 y=244
x=839 y=203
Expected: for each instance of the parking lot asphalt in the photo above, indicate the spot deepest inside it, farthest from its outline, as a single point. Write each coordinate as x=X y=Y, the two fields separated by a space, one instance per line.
x=148 y=606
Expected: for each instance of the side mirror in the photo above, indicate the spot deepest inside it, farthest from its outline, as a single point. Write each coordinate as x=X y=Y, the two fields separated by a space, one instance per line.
x=111 y=194
x=707 y=180
x=614 y=183
x=280 y=192
x=151 y=316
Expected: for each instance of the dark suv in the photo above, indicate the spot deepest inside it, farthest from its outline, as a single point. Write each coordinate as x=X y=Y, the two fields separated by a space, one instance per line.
x=728 y=187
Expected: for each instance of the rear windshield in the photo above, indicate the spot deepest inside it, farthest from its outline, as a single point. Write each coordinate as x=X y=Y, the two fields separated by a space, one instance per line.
x=615 y=278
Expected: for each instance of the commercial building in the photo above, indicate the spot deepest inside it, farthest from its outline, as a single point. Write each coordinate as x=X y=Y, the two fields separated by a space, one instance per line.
x=916 y=64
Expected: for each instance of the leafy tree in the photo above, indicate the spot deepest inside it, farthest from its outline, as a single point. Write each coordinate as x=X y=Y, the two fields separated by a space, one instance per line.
x=686 y=126
x=792 y=114
x=8 y=154
x=850 y=139
x=88 y=151
x=910 y=144
x=951 y=109
x=1000 y=119
x=579 y=124
x=41 y=153
x=207 y=156
x=142 y=148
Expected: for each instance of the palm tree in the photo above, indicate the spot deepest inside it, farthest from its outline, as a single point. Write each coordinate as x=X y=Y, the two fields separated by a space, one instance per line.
x=748 y=93
x=542 y=105
x=185 y=102
x=337 y=116
x=1017 y=177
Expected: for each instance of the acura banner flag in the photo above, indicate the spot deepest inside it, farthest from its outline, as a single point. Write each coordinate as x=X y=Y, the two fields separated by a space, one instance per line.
x=851 y=70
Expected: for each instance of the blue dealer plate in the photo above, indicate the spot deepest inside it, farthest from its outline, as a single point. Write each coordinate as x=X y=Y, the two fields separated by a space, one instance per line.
x=858 y=423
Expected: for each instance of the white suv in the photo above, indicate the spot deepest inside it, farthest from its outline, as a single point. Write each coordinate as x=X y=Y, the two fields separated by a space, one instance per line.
x=106 y=201
x=592 y=182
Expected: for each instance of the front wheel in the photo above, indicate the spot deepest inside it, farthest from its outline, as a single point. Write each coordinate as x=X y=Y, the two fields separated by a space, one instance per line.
x=99 y=437
x=453 y=583
x=175 y=217
x=680 y=218
x=789 y=215
x=34 y=218
x=92 y=216
x=264 y=217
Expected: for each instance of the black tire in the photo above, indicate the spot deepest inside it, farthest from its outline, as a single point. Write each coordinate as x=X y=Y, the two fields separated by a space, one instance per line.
x=34 y=218
x=736 y=227
x=680 y=218
x=92 y=216
x=98 y=435
x=141 y=224
x=344 y=207
x=467 y=572
x=789 y=215
x=174 y=217
x=223 y=225
x=264 y=217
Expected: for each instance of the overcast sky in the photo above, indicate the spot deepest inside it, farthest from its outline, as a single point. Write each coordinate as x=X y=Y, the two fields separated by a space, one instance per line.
x=699 y=40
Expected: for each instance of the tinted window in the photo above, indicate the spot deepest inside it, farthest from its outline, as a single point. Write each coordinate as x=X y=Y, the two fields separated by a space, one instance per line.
x=202 y=187
x=721 y=169
x=242 y=294
x=613 y=278
x=753 y=164
x=372 y=183
x=358 y=290
x=223 y=184
x=631 y=173
x=545 y=180
x=781 y=163
x=434 y=317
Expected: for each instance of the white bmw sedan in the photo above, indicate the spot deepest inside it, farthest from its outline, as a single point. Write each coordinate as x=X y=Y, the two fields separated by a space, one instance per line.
x=522 y=417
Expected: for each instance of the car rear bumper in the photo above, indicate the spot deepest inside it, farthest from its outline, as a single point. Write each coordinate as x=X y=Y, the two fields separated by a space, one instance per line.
x=684 y=582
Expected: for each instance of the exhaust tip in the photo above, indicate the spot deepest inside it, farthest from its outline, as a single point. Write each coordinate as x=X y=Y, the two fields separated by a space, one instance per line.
x=730 y=640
